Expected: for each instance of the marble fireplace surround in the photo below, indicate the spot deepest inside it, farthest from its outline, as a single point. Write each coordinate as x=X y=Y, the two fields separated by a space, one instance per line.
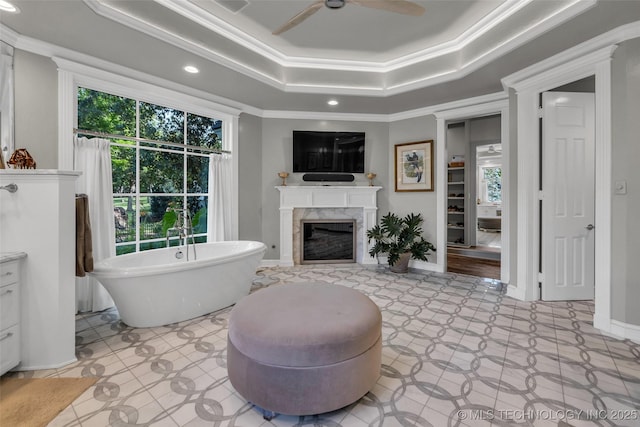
x=325 y=202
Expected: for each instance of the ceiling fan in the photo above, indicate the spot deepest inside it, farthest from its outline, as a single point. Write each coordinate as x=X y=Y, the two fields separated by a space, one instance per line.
x=399 y=6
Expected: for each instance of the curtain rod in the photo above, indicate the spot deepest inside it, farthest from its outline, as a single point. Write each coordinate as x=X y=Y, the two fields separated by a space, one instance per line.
x=150 y=141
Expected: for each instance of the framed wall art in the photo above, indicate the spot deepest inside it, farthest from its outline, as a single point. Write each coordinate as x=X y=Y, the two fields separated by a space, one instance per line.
x=414 y=166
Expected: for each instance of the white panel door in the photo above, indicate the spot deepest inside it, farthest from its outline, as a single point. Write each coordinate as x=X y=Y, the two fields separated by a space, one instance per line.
x=568 y=188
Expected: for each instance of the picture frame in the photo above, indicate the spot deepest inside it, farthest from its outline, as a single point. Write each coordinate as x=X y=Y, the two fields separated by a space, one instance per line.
x=414 y=166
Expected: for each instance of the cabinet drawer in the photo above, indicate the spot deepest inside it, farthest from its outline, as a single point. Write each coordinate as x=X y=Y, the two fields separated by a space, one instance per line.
x=9 y=305
x=9 y=348
x=8 y=273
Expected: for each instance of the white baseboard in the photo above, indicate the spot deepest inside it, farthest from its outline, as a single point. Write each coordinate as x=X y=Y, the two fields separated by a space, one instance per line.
x=418 y=265
x=22 y=367
x=516 y=292
x=270 y=263
x=426 y=266
x=625 y=330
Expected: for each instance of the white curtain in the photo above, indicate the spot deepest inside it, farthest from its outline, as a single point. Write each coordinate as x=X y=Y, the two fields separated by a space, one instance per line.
x=93 y=158
x=219 y=211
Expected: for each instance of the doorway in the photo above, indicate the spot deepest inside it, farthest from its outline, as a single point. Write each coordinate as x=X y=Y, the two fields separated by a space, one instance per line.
x=474 y=196
x=488 y=196
x=525 y=87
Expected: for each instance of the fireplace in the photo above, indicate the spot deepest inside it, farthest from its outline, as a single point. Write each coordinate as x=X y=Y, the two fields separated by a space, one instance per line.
x=328 y=241
x=327 y=203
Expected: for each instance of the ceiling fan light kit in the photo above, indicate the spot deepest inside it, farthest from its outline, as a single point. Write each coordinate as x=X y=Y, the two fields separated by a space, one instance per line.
x=398 y=6
x=334 y=4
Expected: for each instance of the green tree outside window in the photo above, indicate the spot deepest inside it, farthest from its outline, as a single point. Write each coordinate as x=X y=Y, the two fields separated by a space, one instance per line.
x=150 y=177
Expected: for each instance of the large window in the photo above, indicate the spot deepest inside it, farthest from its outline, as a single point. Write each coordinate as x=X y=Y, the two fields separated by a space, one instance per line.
x=158 y=163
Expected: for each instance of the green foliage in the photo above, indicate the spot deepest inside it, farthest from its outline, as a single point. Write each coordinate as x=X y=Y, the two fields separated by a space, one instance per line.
x=160 y=171
x=168 y=221
x=395 y=236
x=493 y=178
x=103 y=112
x=199 y=221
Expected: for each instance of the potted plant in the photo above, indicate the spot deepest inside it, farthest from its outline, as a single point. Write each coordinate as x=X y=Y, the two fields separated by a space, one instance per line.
x=401 y=239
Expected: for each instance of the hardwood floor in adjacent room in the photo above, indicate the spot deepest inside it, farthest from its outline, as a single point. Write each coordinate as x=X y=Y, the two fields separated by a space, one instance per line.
x=475 y=261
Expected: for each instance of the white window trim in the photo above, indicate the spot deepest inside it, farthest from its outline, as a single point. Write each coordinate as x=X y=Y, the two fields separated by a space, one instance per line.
x=71 y=75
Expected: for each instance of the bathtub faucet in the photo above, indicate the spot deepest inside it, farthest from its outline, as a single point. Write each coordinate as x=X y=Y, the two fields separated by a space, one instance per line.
x=184 y=227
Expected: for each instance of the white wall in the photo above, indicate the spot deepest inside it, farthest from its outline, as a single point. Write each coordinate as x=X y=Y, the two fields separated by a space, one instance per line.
x=36 y=107
x=457 y=140
x=402 y=203
x=511 y=208
x=484 y=129
x=250 y=177
x=625 y=274
x=277 y=155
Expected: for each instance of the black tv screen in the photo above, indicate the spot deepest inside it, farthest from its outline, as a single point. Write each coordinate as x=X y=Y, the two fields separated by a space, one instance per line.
x=316 y=151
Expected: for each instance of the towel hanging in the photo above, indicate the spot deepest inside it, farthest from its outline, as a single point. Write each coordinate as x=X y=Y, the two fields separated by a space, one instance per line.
x=84 y=246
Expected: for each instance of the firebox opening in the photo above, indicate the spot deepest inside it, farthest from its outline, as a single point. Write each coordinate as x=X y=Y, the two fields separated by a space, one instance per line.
x=328 y=241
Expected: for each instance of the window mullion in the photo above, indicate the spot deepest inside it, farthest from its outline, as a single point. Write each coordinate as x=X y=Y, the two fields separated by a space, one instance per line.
x=184 y=163
x=137 y=192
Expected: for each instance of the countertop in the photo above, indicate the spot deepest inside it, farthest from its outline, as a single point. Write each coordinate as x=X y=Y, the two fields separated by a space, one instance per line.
x=11 y=256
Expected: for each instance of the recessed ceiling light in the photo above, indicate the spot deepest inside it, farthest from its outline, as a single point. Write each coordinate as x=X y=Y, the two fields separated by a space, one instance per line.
x=332 y=102
x=8 y=7
x=189 y=68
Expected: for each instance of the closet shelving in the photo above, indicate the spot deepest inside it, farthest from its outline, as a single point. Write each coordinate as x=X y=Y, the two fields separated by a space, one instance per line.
x=456 y=207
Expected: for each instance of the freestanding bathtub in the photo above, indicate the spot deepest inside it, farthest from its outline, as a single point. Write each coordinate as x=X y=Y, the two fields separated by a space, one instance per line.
x=154 y=288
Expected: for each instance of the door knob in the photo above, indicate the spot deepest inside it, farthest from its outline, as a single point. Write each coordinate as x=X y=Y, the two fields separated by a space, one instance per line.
x=590 y=227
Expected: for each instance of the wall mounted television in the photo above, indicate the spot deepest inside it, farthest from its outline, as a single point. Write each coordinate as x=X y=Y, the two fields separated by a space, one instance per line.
x=320 y=151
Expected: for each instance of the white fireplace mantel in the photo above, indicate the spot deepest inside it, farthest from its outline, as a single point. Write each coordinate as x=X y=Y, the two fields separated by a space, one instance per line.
x=308 y=197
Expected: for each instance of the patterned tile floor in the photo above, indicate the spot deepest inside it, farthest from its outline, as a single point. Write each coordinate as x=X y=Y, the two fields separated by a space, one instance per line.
x=457 y=352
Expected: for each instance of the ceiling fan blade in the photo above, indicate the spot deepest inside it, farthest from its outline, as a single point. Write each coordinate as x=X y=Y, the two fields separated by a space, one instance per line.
x=313 y=8
x=398 y=6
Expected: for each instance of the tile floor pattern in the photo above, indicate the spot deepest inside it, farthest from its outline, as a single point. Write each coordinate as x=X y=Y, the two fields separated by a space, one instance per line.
x=457 y=351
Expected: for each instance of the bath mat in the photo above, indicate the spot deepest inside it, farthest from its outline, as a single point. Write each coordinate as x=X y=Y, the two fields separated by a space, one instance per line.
x=36 y=401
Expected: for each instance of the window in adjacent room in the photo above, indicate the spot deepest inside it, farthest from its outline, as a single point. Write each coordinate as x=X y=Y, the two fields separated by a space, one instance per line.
x=490 y=184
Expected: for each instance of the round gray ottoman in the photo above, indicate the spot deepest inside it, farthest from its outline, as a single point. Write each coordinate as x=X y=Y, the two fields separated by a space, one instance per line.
x=305 y=348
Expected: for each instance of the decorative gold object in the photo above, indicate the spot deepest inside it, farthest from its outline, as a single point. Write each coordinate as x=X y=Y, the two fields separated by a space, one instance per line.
x=371 y=176
x=284 y=176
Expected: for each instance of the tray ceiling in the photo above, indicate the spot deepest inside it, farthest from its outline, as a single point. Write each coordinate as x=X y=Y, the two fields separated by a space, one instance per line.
x=375 y=62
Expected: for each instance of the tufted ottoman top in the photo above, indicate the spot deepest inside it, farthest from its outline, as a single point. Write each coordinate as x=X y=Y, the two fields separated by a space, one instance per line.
x=304 y=324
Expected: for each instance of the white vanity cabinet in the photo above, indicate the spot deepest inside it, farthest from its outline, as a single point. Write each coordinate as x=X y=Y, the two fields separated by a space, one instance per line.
x=39 y=219
x=9 y=313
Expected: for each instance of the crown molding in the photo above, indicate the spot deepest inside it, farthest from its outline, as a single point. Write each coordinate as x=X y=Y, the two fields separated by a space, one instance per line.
x=312 y=115
x=491 y=102
x=8 y=36
x=597 y=48
x=89 y=65
x=289 y=73
x=178 y=41
x=208 y=20
x=139 y=84
x=61 y=54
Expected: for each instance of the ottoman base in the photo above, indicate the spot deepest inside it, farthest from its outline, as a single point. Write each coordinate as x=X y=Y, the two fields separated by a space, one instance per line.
x=293 y=390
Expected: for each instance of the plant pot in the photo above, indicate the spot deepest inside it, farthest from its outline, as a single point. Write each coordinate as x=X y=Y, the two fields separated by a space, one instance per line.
x=402 y=265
